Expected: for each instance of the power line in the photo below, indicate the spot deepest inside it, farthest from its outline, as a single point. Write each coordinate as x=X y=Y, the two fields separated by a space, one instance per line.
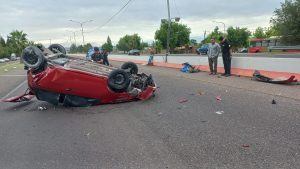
x=111 y=18
x=178 y=12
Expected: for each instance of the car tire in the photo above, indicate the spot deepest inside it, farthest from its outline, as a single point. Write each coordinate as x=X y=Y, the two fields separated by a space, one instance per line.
x=118 y=80
x=133 y=68
x=57 y=47
x=33 y=57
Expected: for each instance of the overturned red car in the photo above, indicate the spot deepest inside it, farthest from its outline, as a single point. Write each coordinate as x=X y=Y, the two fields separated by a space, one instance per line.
x=64 y=80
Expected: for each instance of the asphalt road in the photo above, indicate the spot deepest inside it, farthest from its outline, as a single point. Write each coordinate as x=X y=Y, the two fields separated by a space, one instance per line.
x=248 y=132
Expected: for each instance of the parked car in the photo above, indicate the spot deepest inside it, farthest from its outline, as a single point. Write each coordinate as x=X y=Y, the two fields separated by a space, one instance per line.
x=6 y=59
x=61 y=80
x=13 y=57
x=202 y=50
x=134 y=52
x=2 y=60
x=243 y=50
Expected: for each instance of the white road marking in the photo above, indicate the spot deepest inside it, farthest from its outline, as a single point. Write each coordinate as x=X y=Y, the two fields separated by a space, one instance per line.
x=15 y=89
x=13 y=75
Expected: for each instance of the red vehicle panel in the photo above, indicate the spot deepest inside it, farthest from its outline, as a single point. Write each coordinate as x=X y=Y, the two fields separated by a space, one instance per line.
x=75 y=82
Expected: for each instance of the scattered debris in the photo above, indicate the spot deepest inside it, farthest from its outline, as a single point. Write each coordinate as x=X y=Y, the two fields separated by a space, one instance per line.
x=201 y=93
x=219 y=112
x=203 y=121
x=5 y=70
x=188 y=68
x=246 y=145
x=183 y=100
x=273 y=101
x=219 y=98
x=226 y=91
x=42 y=108
x=219 y=76
x=88 y=134
x=160 y=113
x=281 y=80
x=15 y=67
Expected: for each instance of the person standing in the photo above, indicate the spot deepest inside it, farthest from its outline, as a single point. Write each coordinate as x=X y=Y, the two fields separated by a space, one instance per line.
x=226 y=55
x=151 y=57
x=105 y=58
x=213 y=52
x=97 y=56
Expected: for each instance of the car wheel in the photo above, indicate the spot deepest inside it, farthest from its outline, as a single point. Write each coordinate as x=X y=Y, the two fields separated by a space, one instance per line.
x=133 y=69
x=118 y=80
x=32 y=57
x=56 y=48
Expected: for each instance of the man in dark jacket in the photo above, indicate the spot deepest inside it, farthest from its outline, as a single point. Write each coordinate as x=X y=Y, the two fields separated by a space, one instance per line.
x=105 y=58
x=226 y=55
x=97 y=56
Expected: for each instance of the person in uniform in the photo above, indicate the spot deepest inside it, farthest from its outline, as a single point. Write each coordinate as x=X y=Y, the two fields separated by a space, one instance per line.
x=97 y=56
x=226 y=55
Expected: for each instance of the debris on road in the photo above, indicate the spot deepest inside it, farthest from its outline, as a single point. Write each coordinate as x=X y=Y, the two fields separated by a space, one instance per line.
x=280 y=80
x=273 y=101
x=246 y=145
x=159 y=113
x=15 y=67
x=219 y=112
x=200 y=93
x=183 y=100
x=188 y=68
x=219 y=98
x=88 y=134
x=42 y=108
x=5 y=70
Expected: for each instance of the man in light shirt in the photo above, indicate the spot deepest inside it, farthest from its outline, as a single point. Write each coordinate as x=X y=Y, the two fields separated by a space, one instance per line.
x=213 y=52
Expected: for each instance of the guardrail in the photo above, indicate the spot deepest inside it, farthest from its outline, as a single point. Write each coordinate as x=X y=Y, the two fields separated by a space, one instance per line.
x=283 y=48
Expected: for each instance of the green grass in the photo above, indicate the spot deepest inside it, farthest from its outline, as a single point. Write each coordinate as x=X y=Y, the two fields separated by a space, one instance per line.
x=10 y=66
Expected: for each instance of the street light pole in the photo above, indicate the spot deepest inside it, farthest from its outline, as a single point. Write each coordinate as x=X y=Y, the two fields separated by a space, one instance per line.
x=81 y=24
x=169 y=31
x=223 y=25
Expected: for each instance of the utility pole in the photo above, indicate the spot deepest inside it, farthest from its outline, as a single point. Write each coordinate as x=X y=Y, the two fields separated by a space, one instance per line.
x=204 y=35
x=169 y=31
x=81 y=24
x=223 y=25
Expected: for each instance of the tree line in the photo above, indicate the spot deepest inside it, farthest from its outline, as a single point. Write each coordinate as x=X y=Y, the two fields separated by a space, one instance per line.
x=16 y=41
x=284 y=24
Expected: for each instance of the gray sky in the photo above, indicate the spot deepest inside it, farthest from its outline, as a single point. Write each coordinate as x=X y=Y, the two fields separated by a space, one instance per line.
x=49 y=19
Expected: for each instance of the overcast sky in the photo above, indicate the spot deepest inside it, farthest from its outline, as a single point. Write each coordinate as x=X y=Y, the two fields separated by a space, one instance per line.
x=49 y=19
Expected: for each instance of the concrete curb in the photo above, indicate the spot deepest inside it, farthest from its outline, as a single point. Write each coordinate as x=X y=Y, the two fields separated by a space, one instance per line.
x=234 y=71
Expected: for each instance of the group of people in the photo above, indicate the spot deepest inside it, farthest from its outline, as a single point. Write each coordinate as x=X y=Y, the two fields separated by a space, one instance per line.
x=100 y=57
x=214 y=49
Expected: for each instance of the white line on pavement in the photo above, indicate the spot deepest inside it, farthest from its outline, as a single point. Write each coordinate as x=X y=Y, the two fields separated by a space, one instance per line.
x=20 y=85
x=13 y=75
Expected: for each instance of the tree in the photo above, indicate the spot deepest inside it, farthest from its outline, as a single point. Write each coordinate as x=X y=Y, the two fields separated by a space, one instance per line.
x=238 y=37
x=2 y=42
x=17 y=41
x=286 y=21
x=271 y=31
x=129 y=42
x=179 y=35
x=108 y=45
x=157 y=46
x=73 y=48
x=216 y=34
x=193 y=42
x=259 y=33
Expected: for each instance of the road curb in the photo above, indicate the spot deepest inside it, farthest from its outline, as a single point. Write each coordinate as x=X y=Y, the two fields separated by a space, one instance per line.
x=234 y=71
